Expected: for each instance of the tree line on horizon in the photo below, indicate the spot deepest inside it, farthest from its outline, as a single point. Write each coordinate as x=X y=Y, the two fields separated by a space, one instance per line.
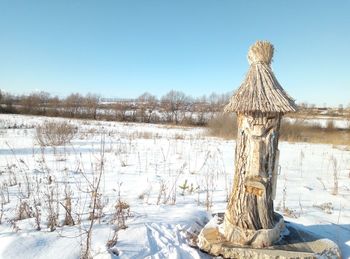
x=174 y=107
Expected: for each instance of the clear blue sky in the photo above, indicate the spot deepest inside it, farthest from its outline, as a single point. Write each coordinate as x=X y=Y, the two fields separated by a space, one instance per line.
x=122 y=48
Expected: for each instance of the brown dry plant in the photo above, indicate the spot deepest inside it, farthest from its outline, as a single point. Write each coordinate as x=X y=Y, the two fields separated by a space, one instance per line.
x=55 y=133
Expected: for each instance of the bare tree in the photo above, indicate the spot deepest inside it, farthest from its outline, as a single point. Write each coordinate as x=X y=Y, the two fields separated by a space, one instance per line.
x=218 y=101
x=91 y=102
x=54 y=105
x=29 y=103
x=73 y=104
x=43 y=98
x=120 y=109
x=148 y=104
x=202 y=109
x=35 y=103
x=173 y=103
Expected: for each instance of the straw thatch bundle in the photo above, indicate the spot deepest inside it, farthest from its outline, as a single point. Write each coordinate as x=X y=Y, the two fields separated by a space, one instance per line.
x=260 y=91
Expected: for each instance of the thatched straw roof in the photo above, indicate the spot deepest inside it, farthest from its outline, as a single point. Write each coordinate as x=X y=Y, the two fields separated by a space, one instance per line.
x=260 y=90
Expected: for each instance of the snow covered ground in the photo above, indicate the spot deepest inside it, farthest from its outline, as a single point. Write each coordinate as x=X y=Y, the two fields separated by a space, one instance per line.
x=322 y=121
x=169 y=176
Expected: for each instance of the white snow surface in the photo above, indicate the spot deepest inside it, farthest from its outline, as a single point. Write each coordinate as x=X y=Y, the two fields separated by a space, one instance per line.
x=196 y=171
x=322 y=121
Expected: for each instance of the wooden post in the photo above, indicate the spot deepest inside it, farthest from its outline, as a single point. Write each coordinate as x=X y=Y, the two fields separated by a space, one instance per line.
x=250 y=205
x=250 y=221
x=259 y=103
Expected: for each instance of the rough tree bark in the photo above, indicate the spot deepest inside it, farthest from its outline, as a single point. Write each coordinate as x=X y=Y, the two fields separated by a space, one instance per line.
x=249 y=219
x=250 y=206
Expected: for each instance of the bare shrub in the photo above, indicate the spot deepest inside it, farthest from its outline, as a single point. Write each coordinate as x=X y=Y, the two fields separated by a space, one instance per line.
x=52 y=212
x=290 y=213
x=209 y=187
x=285 y=210
x=327 y=207
x=223 y=125
x=24 y=210
x=55 y=133
x=209 y=182
x=12 y=179
x=36 y=196
x=122 y=212
x=112 y=242
x=96 y=204
x=170 y=196
x=68 y=219
x=37 y=214
x=4 y=193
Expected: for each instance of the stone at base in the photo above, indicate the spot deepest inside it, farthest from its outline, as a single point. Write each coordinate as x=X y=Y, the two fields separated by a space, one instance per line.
x=254 y=238
x=297 y=244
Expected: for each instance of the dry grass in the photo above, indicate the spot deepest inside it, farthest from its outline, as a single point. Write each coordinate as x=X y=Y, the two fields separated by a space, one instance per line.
x=300 y=131
x=225 y=126
x=55 y=133
x=260 y=90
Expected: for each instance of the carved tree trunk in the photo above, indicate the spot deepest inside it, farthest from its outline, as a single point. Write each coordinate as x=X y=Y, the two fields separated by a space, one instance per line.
x=259 y=102
x=251 y=203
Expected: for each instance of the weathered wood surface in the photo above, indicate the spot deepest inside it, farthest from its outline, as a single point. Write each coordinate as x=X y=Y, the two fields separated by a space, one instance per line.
x=259 y=103
x=260 y=90
x=250 y=206
x=297 y=244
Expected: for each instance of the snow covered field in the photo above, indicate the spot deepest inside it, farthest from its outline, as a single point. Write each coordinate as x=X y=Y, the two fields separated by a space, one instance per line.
x=169 y=176
x=322 y=121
